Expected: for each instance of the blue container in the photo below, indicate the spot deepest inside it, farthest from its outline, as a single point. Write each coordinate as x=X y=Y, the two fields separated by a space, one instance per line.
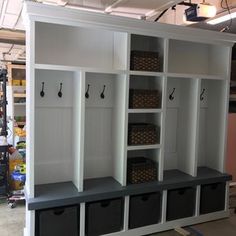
x=18 y=180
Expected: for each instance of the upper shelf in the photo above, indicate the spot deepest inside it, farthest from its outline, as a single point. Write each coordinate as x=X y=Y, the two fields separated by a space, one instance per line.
x=116 y=48
x=84 y=48
x=198 y=58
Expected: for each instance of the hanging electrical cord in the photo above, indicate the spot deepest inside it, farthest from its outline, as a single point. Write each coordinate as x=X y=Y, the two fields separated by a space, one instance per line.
x=226 y=28
x=190 y=4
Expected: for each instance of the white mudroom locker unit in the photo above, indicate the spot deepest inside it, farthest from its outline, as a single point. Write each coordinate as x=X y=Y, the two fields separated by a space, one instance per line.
x=80 y=80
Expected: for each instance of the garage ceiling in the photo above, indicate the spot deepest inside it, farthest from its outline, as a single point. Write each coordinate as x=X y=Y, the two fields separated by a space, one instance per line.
x=12 y=46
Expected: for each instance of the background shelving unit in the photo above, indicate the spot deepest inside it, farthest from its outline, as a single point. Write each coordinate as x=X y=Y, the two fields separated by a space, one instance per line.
x=4 y=157
x=16 y=94
x=78 y=143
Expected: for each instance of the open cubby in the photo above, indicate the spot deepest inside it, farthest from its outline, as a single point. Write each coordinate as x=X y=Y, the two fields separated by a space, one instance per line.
x=152 y=154
x=197 y=58
x=149 y=44
x=104 y=126
x=54 y=132
x=213 y=110
x=82 y=48
x=147 y=118
x=147 y=83
x=180 y=128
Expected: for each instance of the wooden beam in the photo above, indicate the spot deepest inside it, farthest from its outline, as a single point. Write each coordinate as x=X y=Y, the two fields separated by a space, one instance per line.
x=12 y=37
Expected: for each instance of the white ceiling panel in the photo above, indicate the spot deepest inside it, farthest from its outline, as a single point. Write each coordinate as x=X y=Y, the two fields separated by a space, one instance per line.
x=14 y=6
x=1 y=4
x=9 y=20
x=20 y=24
x=142 y=7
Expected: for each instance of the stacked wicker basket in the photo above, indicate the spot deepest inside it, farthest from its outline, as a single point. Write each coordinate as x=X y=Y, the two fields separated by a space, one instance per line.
x=142 y=169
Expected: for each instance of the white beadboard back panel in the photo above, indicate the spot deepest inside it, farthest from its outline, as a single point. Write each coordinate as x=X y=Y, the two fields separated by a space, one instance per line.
x=98 y=160
x=211 y=128
x=181 y=121
x=53 y=145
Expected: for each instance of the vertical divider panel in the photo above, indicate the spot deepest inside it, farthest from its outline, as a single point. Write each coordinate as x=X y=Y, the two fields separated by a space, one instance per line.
x=166 y=53
x=120 y=50
x=78 y=131
x=126 y=213
x=227 y=186
x=187 y=146
x=225 y=123
x=197 y=205
x=30 y=107
x=163 y=117
x=162 y=141
x=164 y=206
x=120 y=120
x=126 y=110
x=29 y=222
x=197 y=116
x=82 y=219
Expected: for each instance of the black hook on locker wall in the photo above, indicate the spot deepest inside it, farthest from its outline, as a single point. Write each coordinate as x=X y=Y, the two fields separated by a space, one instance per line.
x=102 y=93
x=60 y=91
x=171 y=97
x=87 y=92
x=42 y=90
x=201 y=95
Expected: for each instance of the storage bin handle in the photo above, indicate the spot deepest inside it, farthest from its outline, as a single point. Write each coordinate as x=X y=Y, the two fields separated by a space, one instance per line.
x=105 y=203
x=145 y=197
x=58 y=212
x=181 y=191
x=214 y=186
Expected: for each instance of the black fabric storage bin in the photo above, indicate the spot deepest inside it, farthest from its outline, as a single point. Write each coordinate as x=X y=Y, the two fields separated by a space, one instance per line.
x=212 y=197
x=60 y=221
x=180 y=203
x=104 y=217
x=144 y=210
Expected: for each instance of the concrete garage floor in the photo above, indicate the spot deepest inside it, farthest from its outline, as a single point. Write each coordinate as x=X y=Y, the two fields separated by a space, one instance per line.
x=12 y=222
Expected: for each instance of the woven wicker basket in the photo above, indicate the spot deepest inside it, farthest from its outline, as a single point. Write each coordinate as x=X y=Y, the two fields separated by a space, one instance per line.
x=141 y=170
x=142 y=134
x=144 y=98
x=145 y=61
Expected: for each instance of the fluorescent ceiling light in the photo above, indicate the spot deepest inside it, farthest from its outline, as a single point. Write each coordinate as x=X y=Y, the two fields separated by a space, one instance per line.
x=222 y=18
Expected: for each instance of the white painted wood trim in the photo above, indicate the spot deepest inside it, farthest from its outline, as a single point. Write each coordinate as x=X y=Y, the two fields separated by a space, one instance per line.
x=198 y=198
x=195 y=160
x=145 y=110
x=30 y=107
x=82 y=219
x=75 y=17
x=143 y=147
x=225 y=112
x=126 y=213
x=164 y=206
x=163 y=130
